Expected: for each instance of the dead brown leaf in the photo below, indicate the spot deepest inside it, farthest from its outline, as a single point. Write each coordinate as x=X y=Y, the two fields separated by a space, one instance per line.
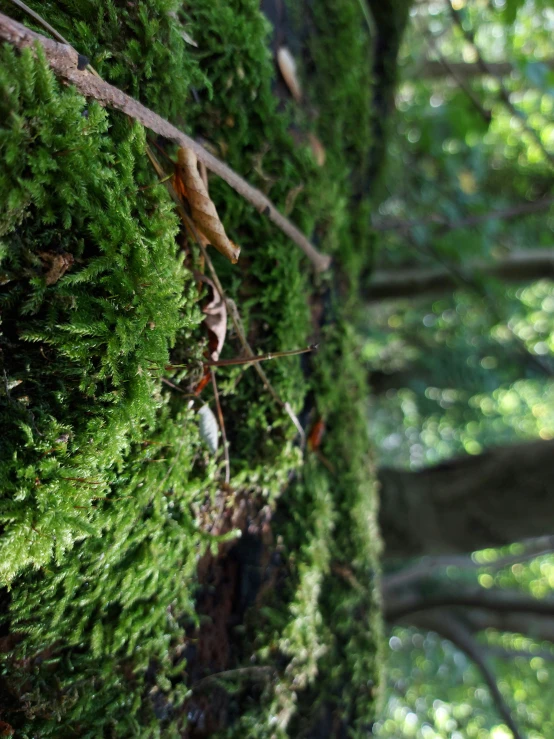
x=203 y=210
x=216 y=319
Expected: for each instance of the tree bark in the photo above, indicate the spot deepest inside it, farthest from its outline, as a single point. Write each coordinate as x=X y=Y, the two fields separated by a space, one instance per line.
x=469 y=503
x=521 y=266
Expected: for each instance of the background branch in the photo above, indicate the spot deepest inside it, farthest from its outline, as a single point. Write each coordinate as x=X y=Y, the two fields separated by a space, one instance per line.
x=504 y=95
x=514 y=211
x=449 y=627
x=509 y=601
x=428 y=566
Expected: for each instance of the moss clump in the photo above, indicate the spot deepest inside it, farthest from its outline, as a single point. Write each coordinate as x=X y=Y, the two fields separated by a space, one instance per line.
x=106 y=486
x=78 y=353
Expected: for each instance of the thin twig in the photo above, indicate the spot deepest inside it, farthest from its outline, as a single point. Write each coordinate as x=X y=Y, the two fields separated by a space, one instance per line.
x=369 y=19
x=222 y=428
x=259 y=357
x=231 y=307
x=63 y=60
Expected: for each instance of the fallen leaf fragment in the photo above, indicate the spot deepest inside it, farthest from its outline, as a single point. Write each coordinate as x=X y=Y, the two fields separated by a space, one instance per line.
x=203 y=210
x=287 y=67
x=216 y=319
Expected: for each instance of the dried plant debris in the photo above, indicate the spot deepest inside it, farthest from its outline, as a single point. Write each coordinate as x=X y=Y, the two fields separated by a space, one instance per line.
x=216 y=320
x=203 y=210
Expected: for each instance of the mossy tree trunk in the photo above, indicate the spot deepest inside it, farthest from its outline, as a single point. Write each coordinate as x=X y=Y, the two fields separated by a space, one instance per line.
x=469 y=503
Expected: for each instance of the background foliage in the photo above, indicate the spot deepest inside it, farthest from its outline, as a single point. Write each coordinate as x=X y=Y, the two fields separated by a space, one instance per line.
x=462 y=372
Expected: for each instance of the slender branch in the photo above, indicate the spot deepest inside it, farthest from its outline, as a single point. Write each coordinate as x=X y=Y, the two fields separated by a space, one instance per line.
x=504 y=94
x=539 y=628
x=64 y=62
x=397 y=224
x=452 y=629
x=532 y=264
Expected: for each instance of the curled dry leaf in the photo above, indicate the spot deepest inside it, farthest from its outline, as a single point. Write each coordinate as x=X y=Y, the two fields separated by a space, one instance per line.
x=216 y=319
x=203 y=210
x=287 y=67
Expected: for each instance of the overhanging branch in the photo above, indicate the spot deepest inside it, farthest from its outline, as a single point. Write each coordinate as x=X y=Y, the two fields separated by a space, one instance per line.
x=64 y=62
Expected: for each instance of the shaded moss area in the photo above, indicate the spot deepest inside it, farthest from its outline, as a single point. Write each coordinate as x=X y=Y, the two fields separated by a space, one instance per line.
x=110 y=499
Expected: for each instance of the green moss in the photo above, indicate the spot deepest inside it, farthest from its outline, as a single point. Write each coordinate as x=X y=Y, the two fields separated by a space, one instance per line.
x=137 y=46
x=104 y=476
x=78 y=353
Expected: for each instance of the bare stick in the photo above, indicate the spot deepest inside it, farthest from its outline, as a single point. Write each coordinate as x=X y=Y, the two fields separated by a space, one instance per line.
x=222 y=428
x=64 y=60
x=231 y=307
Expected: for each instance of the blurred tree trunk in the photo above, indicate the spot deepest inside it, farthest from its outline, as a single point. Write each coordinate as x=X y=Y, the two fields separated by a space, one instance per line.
x=468 y=70
x=469 y=503
x=521 y=266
